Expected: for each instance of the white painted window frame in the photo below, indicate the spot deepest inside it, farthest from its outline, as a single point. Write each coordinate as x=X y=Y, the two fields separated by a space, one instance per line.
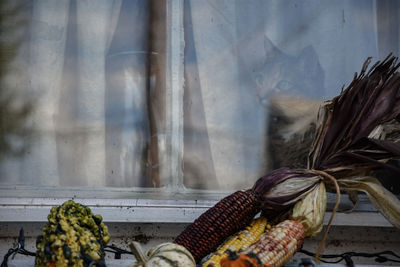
x=171 y=204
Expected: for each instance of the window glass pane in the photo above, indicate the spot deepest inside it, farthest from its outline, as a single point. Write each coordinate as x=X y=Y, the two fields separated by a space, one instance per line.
x=74 y=93
x=83 y=94
x=256 y=72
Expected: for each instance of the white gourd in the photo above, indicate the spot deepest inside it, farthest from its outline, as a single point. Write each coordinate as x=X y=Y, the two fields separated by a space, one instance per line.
x=163 y=255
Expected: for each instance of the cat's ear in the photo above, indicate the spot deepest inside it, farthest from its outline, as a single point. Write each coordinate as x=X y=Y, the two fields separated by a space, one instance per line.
x=270 y=49
x=308 y=59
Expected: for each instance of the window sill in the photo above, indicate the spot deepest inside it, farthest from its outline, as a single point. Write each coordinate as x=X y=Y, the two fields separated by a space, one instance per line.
x=158 y=211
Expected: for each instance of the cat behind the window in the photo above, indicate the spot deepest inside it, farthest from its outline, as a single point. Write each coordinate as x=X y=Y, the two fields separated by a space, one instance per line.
x=282 y=73
x=290 y=88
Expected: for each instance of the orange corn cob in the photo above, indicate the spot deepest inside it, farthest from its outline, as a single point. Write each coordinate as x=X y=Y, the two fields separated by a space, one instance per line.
x=239 y=241
x=273 y=249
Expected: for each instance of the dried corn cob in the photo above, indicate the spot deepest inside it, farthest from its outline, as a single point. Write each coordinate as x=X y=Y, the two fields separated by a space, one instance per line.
x=240 y=241
x=273 y=249
x=228 y=216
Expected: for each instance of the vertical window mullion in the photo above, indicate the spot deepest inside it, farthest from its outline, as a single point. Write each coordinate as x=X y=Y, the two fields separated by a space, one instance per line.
x=172 y=160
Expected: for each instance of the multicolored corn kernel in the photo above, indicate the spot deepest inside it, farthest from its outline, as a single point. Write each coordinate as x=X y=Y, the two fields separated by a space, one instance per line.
x=273 y=249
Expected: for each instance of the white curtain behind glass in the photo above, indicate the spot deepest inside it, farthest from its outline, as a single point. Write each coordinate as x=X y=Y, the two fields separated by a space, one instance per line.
x=85 y=63
x=244 y=53
x=95 y=23
x=232 y=126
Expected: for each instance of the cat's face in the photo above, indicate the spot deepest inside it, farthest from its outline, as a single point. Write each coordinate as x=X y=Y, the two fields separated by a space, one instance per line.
x=281 y=73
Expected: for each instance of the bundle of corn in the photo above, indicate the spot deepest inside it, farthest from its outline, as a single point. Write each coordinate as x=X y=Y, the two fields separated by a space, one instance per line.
x=239 y=241
x=73 y=236
x=342 y=149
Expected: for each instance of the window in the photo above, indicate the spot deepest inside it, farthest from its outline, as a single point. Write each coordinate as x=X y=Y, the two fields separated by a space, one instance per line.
x=171 y=99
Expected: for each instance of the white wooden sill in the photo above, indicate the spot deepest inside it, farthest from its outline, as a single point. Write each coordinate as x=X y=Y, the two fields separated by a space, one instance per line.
x=141 y=210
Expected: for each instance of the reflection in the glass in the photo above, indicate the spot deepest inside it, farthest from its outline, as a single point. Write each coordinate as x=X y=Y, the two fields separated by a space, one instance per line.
x=14 y=110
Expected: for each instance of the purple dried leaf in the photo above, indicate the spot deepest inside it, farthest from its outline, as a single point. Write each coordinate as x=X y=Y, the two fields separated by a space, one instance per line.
x=283 y=187
x=370 y=100
x=265 y=183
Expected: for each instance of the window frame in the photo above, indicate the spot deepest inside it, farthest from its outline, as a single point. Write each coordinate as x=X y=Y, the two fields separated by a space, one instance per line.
x=172 y=203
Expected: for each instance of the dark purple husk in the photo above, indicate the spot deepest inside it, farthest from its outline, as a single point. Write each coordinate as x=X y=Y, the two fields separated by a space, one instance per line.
x=372 y=99
x=266 y=183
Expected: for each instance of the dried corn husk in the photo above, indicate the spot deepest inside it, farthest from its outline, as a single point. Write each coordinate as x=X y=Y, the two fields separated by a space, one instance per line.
x=290 y=189
x=282 y=188
x=351 y=137
x=310 y=211
x=343 y=145
x=382 y=199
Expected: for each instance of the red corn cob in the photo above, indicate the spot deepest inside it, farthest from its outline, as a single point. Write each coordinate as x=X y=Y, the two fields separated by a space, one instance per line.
x=228 y=216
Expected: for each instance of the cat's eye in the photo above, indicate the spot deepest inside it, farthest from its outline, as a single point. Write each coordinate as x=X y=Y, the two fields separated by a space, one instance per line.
x=284 y=85
x=259 y=78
